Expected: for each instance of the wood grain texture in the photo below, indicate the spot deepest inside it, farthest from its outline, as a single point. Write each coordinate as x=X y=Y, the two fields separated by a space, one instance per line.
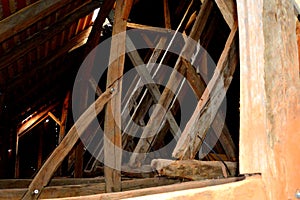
x=270 y=100
x=228 y=10
x=112 y=123
x=194 y=169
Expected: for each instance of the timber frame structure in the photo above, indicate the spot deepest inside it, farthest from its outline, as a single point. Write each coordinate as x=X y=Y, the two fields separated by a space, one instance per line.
x=258 y=38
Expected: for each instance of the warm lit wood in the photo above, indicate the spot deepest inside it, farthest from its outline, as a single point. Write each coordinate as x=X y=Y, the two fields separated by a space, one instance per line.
x=228 y=10
x=167 y=16
x=270 y=95
x=112 y=123
x=216 y=186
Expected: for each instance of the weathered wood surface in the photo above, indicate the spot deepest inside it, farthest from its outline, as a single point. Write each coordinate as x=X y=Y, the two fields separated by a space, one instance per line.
x=194 y=169
x=184 y=187
x=249 y=189
x=112 y=123
x=270 y=99
x=207 y=108
x=52 y=163
x=228 y=10
x=165 y=100
x=81 y=187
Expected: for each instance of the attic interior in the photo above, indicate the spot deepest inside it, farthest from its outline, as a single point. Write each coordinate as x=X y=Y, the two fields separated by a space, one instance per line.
x=179 y=117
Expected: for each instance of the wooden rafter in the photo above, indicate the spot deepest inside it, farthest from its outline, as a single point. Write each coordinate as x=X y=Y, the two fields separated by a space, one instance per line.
x=207 y=108
x=165 y=100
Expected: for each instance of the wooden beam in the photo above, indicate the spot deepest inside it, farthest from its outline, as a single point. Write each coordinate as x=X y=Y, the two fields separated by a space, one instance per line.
x=52 y=163
x=207 y=108
x=46 y=34
x=147 y=28
x=64 y=117
x=34 y=120
x=151 y=86
x=270 y=95
x=235 y=182
x=167 y=17
x=52 y=116
x=228 y=10
x=194 y=169
x=249 y=189
x=28 y=16
x=112 y=123
x=165 y=100
x=80 y=187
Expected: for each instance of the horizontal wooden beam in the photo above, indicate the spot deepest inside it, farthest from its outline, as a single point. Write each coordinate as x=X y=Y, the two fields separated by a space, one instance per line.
x=147 y=28
x=183 y=187
x=72 y=187
x=249 y=189
x=28 y=16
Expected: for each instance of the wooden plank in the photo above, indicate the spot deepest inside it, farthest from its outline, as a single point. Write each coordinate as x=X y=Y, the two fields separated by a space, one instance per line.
x=270 y=99
x=46 y=34
x=112 y=131
x=158 y=115
x=28 y=16
x=184 y=187
x=52 y=163
x=228 y=10
x=194 y=169
x=205 y=112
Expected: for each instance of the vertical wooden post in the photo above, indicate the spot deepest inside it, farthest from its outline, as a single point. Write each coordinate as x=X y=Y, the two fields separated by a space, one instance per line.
x=17 y=161
x=40 y=151
x=270 y=101
x=64 y=116
x=113 y=136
